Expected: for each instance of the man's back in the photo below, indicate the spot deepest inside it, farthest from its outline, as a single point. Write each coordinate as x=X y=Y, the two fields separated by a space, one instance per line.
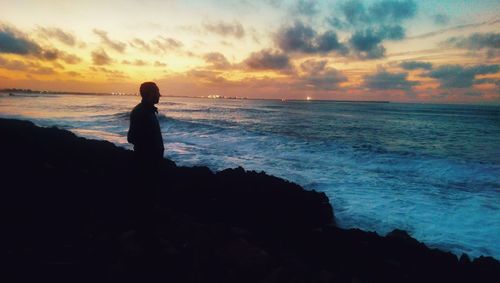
x=144 y=132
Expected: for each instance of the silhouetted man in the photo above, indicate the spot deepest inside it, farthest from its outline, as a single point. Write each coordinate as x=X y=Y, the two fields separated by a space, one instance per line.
x=144 y=132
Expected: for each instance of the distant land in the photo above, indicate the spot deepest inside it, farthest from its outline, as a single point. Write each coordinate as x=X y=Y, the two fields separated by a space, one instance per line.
x=30 y=91
x=20 y=90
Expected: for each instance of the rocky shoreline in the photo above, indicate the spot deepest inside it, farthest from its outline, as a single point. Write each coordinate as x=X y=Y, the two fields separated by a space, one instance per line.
x=77 y=210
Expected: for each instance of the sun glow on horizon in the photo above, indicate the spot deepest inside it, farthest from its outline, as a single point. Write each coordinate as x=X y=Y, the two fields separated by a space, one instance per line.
x=257 y=50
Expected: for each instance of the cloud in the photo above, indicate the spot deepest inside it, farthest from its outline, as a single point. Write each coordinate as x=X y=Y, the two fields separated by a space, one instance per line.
x=57 y=33
x=207 y=76
x=456 y=76
x=15 y=42
x=226 y=29
x=112 y=74
x=478 y=41
x=217 y=60
x=313 y=67
x=158 y=45
x=383 y=80
x=159 y=64
x=100 y=57
x=473 y=93
x=354 y=13
x=30 y=67
x=373 y=24
x=319 y=77
x=71 y=58
x=268 y=60
x=485 y=81
x=55 y=54
x=415 y=65
x=73 y=74
x=137 y=62
x=43 y=71
x=13 y=65
x=455 y=28
x=367 y=43
x=306 y=7
x=392 y=10
x=302 y=38
x=440 y=19
x=116 y=45
x=166 y=43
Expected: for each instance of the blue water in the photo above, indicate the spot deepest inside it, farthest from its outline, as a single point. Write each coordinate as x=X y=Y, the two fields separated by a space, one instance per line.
x=433 y=170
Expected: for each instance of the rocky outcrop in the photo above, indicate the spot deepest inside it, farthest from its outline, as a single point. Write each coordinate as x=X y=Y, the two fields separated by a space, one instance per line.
x=79 y=210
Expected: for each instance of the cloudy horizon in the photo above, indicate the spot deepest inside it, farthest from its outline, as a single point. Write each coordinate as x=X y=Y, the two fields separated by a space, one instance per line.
x=391 y=50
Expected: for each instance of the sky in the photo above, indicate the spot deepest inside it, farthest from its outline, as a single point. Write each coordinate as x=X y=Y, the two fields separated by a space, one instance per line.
x=429 y=51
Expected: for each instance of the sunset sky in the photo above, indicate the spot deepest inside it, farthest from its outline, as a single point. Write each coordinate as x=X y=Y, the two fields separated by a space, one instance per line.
x=398 y=50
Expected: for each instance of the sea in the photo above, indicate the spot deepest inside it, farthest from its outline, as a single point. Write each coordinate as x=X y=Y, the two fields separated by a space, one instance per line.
x=432 y=170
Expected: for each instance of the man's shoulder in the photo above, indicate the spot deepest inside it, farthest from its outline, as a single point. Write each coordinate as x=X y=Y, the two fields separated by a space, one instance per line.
x=139 y=108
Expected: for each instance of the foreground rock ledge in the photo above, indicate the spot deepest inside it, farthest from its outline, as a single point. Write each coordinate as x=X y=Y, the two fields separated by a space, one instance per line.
x=77 y=211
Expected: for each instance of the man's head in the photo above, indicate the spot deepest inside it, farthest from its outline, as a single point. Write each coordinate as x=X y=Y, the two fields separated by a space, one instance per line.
x=150 y=92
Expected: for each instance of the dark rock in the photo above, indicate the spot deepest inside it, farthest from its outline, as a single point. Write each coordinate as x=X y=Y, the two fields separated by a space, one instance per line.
x=79 y=211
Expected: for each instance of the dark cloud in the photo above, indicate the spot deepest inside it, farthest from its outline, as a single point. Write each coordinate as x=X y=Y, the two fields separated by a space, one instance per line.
x=364 y=44
x=319 y=77
x=100 y=57
x=56 y=54
x=478 y=41
x=313 y=67
x=302 y=38
x=391 y=32
x=390 y=11
x=415 y=65
x=456 y=76
x=367 y=44
x=372 y=24
x=217 y=60
x=57 y=33
x=354 y=13
x=226 y=29
x=116 y=45
x=441 y=19
x=268 y=60
x=15 y=42
x=383 y=80
x=328 y=80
